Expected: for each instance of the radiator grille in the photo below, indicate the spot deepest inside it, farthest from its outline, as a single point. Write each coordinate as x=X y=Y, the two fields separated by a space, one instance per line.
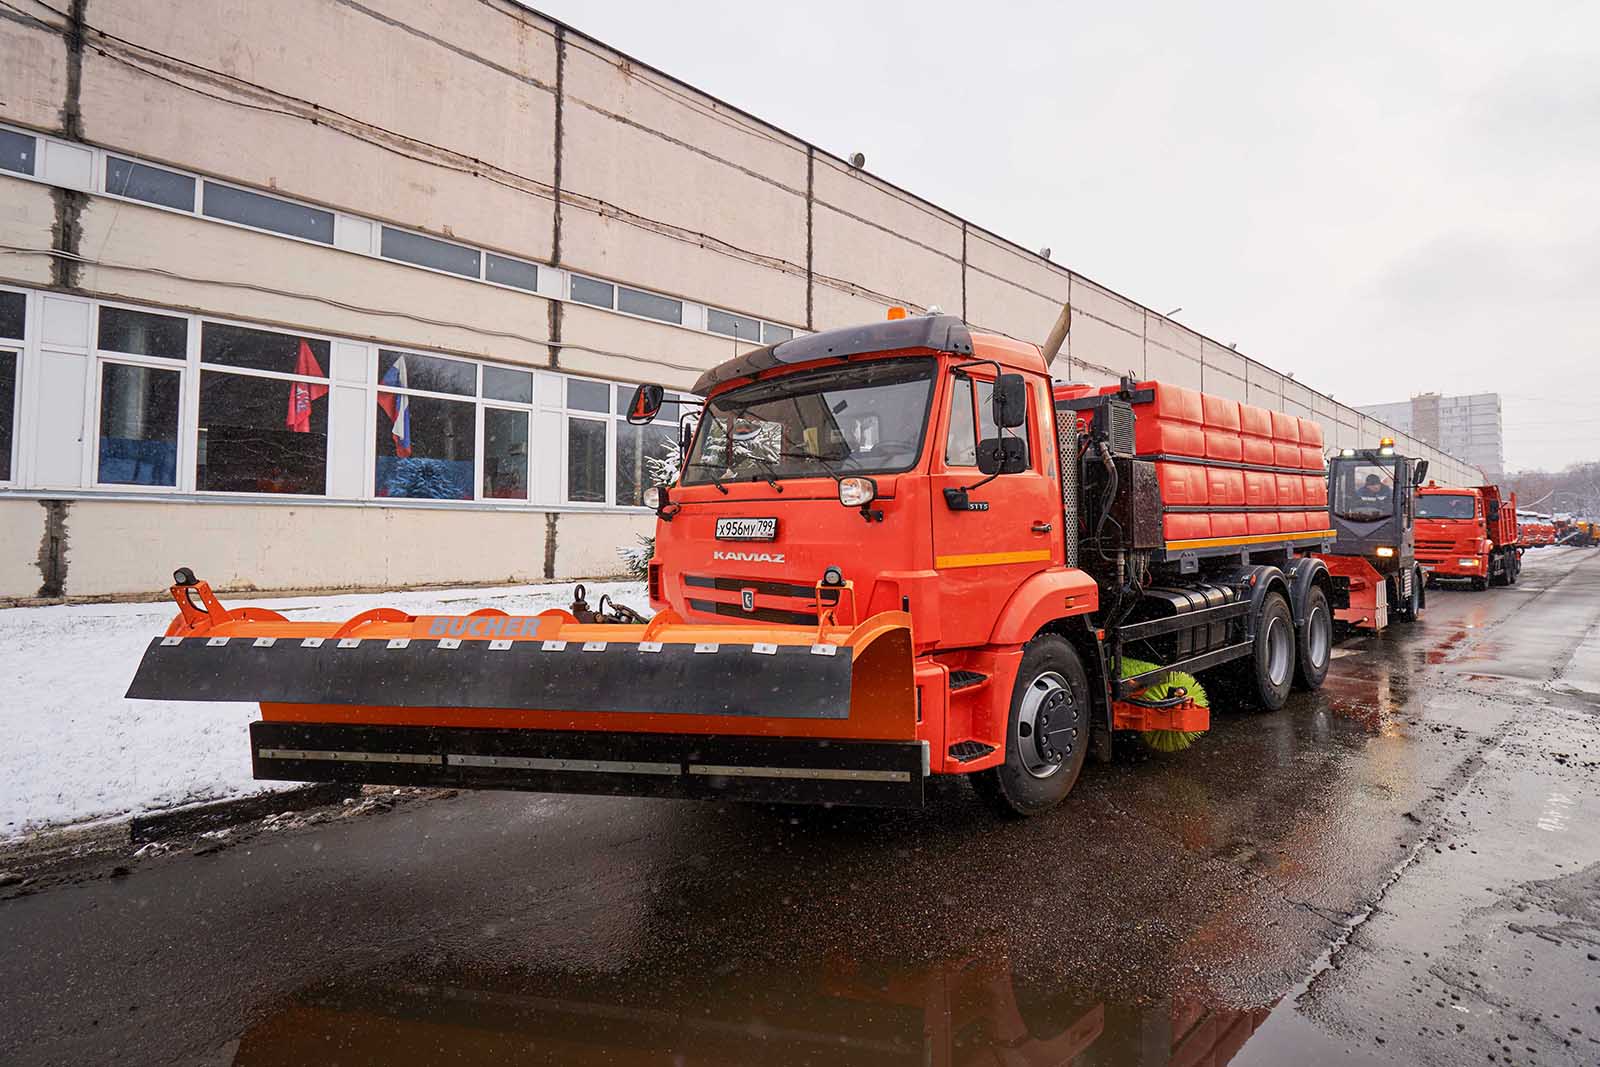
x=1067 y=444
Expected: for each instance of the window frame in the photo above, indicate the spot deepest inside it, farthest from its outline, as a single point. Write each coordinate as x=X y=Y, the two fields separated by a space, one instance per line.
x=102 y=357
x=17 y=347
x=198 y=323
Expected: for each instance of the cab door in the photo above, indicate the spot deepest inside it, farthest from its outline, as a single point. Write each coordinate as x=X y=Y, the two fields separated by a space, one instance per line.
x=1010 y=527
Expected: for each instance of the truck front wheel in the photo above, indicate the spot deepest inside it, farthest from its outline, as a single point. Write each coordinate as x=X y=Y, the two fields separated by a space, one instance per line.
x=1047 y=733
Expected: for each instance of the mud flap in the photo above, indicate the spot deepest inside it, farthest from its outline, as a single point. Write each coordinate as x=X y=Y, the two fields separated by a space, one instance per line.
x=785 y=770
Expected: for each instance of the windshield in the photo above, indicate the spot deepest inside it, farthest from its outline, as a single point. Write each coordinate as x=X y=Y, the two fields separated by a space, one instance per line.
x=1363 y=492
x=863 y=418
x=1444 y=506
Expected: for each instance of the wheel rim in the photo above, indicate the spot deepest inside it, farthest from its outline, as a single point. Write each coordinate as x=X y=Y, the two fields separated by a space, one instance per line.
x=1047 y=725
x=1319 y=636
x=1279 y=646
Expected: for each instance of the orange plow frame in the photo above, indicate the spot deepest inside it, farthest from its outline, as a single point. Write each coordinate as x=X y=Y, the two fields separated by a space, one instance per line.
x=822 y=712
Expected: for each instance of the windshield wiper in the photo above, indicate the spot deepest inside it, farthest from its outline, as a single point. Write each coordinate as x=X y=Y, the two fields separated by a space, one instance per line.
x=714 y=479
x=833 y=472
x=771 y=469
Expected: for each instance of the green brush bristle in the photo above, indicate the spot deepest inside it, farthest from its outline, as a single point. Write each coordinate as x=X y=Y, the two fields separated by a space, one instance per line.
x=1168 y=740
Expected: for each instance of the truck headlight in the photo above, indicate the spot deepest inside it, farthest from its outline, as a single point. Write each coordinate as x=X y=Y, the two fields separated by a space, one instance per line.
x=857 y=492
x=1468 y=561
x=1385 y=552
x=654 y=497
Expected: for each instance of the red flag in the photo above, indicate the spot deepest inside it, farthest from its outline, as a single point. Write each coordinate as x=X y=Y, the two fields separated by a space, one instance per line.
x=301 y=394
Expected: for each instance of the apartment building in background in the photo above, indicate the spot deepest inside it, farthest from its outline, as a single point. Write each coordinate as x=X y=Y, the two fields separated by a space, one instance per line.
x=314 y=294
x=1469 y=427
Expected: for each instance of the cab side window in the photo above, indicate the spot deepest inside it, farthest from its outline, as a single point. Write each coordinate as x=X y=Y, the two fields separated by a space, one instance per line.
x=961 y=444
x=972 y=420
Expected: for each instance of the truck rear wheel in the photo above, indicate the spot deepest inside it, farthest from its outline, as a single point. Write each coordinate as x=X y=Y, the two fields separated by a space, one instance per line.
x=1268 y=674
x=1316 y=641
x=1047 y=734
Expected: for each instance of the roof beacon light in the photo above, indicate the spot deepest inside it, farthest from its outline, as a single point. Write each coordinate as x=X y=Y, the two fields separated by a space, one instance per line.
x=896 y=313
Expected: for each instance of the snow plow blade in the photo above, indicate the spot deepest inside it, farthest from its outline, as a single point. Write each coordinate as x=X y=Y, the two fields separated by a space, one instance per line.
x=823 y=713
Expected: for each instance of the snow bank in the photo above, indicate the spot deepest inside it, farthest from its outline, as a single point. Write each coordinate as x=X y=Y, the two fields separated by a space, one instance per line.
x=73 y=749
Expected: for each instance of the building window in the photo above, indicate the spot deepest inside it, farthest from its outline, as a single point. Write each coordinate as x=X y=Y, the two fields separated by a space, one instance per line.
x=17 y=152
x=8 y=410
x=139 y=333
x=430 y=374
x=512 y=272
x=505 y=454
x=588 y=396
x=261 y=430
x=153 y=185
x=429 y=252
x=268 y=213
x=771 y=334
x=730 y=325
x=502 y=383
x=597 y=293
x=138 y=425
x=586 y=460
x=646 y=456
x=426 y=447
x=13 y=314
x=649 y=305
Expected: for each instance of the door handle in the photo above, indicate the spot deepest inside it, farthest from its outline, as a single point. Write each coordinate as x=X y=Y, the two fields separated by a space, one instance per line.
x=1041 y=527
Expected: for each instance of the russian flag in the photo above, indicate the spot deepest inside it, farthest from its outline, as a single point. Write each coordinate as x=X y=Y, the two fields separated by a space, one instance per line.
x=397 y=407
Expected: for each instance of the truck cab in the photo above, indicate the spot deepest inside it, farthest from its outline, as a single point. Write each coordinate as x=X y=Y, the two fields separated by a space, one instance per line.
x=1372 y=508
x=886 y=470
x=1468 y=534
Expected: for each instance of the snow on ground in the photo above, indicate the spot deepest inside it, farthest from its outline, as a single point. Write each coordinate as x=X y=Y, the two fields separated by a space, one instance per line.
x=74 y=749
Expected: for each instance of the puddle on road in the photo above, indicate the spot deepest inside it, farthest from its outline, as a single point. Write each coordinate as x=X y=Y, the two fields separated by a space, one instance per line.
x=967 y=1010
x=787 y=986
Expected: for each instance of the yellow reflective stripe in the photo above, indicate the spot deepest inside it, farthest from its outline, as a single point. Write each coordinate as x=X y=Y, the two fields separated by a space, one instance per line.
x=990 y=559
x=1222 y=542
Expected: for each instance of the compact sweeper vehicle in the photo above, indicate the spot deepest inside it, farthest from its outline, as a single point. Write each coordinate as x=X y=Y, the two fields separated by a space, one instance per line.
x=1372 y=507
x=895 y=550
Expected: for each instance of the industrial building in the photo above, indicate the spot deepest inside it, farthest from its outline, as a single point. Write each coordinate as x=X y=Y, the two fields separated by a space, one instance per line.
x=1469 y=427
x=324 y=294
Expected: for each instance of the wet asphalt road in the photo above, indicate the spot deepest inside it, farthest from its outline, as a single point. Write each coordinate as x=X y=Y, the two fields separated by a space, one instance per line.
x=1401 y=868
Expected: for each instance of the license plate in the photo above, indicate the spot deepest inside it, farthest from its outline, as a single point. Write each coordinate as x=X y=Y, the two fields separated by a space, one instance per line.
x=747 y=529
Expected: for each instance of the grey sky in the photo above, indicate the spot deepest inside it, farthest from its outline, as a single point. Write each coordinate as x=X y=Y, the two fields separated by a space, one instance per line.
x=1381 y=198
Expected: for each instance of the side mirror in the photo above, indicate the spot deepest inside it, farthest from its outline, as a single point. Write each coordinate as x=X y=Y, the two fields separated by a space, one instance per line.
x=645 y=405
x=1010 y=401
x=1002 y=455
x=1419 y=472
x=686 y=431
x=1494 y=512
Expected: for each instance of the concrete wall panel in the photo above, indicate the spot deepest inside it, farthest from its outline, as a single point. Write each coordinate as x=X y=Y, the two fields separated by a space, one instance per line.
x=370 y=174
x=122 y=547
x=27 y=214
x=33 y=55
x=22 y=524
x=634 y=350
x=587 y=542
x=404 y=305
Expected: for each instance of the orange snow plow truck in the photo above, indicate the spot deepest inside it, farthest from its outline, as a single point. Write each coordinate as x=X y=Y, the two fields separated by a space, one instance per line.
x=1469 y=534
x=894 y=551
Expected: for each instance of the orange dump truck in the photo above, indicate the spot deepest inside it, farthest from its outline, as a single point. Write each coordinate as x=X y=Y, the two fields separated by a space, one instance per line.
x=894 y=550
x=1468 y=535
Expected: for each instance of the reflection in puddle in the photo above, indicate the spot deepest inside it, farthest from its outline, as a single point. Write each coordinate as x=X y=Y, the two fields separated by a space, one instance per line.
x=971 y=1010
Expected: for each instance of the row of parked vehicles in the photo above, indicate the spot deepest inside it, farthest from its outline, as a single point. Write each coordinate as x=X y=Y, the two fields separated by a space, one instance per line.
x=894 y=551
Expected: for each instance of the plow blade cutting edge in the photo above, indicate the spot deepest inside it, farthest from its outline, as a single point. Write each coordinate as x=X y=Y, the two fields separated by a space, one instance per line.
x=823 y=713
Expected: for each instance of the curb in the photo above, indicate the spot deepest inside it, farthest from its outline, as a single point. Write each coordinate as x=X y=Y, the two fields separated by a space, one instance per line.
x=217 y=814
